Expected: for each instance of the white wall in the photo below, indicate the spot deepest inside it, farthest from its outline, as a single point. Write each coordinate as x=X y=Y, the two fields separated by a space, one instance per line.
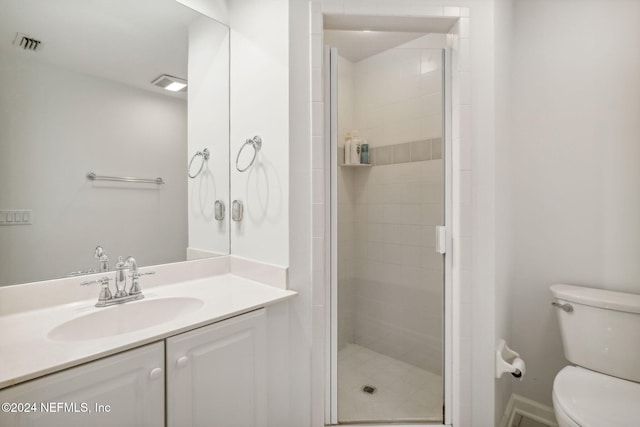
x=259 y=83
x=216 y=9
x=56 y=126
x=504 y=227
x=302 y=402
x=576 y=198
x=208 y=128
x=260 y=106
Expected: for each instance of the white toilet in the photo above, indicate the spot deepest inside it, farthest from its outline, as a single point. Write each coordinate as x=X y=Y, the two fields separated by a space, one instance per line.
x=601 y=334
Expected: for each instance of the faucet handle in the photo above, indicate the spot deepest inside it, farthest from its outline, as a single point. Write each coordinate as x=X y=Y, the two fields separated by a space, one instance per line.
x=102 y=281
x=105 y=292
x=135 y=286
x=146 y=273
x=136 y=274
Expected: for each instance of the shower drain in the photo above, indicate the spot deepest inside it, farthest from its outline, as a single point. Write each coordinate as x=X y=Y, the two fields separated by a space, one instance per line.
x=369 y=389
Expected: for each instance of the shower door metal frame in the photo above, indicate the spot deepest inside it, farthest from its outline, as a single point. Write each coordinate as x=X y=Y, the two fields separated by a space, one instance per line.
x=331 y=241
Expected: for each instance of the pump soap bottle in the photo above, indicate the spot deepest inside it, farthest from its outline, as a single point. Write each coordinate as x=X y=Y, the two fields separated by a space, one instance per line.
x=347 y=149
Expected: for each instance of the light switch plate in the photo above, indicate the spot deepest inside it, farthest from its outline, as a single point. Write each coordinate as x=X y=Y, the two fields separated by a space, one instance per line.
x=16 y=217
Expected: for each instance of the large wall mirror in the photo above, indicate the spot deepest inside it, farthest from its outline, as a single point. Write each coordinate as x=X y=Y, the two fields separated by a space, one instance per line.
x=77 y=98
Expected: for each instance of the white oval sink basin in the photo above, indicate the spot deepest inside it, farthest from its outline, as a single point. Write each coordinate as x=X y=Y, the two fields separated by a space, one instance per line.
x=123 y=318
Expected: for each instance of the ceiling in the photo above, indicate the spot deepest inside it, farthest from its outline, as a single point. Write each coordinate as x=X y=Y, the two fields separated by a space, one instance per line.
x=358 y=45
x=360 y=37
x=129 y=41
x=410 y=24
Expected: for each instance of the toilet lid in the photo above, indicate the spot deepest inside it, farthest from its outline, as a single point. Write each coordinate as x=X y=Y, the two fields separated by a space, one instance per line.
x=592 y=399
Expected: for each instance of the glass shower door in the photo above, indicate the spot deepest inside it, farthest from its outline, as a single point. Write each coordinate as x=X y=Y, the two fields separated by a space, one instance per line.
x=388 y=279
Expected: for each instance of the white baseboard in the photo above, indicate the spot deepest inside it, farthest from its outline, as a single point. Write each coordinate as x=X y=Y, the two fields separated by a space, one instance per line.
x=528 y=408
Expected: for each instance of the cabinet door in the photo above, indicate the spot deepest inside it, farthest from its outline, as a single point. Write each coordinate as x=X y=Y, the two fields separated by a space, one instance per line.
x=216 y=375
x=126 y=389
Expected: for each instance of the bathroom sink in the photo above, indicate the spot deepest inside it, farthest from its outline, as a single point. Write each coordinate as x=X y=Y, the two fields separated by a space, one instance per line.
x=123 y=318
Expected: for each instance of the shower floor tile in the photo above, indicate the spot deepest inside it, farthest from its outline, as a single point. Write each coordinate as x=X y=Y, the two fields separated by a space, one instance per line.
x=403 y=391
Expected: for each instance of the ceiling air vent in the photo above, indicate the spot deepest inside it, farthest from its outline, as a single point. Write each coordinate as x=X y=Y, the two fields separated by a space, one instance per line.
x=26 y=42
x=174 y=84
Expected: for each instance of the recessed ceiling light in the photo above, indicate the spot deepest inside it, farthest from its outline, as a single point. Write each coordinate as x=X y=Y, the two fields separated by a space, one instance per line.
x=174 y=84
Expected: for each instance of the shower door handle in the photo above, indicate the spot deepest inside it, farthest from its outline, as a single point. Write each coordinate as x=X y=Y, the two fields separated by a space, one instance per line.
x=441 y=239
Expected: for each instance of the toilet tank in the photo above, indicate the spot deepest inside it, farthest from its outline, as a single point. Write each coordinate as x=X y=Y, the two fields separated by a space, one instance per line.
x=602 y=331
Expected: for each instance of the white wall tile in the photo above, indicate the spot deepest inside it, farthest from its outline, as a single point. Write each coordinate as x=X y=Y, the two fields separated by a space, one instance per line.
x=465 y=220
x=465 y=187
x=318 y=254
x=317 y=114
x=451 y=11
x=465 y=121
x=465 y=153
x=318 y=146
x=318 y=294
x=465 y=252
x=316 y=17
x=465 y=88
x=317 y=51
x=333 y=7
x=464 y=29
x=317 y=90
x=465 y=320
x=318 y=220
x=318 y=186
x=464 y=61
x=465 y=286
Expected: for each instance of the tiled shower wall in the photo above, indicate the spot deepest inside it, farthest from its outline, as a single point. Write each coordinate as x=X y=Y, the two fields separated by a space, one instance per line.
x=398 y=281
x=346 y=206
x=390 y=280
x=399 y=94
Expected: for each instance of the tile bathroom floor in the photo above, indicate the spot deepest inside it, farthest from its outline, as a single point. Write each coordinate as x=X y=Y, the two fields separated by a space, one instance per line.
x=403 y=391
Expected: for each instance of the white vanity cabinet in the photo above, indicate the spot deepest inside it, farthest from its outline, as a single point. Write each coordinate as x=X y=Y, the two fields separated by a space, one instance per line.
x=214 y=376
x=126 y=389
x=217 y=374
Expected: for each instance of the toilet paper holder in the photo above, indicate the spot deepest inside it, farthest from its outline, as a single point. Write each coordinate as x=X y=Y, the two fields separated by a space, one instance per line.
x=509 y=361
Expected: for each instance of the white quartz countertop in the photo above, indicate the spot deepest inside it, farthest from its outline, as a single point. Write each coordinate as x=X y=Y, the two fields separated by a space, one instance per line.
x=27 y=352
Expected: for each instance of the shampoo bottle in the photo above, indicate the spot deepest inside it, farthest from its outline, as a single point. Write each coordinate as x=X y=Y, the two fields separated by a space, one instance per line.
x=347 y=149
x=355 y=149
x=364 y=152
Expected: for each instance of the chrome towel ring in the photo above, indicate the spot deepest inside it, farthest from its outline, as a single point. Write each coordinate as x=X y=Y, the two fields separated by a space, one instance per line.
x=256 y=143
x=205 y=156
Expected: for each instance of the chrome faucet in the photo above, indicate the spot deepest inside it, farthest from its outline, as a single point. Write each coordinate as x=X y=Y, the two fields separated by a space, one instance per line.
x=121 y=278
x=121 y=295
x=103 y=257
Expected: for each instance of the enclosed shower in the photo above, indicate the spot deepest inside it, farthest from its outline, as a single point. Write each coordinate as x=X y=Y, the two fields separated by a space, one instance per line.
x=387 y=201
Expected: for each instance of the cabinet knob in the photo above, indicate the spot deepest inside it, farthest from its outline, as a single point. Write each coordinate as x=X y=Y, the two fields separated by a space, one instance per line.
x=155 y=373
x=182 y=362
